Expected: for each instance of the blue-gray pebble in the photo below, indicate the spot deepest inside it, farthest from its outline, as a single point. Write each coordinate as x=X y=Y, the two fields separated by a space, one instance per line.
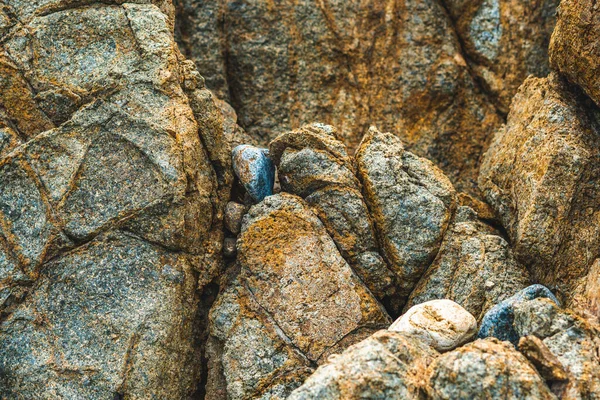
x=255 y=170
x=498 y=321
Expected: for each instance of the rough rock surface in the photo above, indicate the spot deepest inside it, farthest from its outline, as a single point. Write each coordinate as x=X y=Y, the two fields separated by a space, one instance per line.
x=498 y=322
x=110 y=202
x=255 y=170
x=574 y=49
x=313 y=164
x=504 y=41
x=295 y=302
x=387 y=365
x=411 y=202
x=541 y=176
x=475 y=267
x=350 y=64
x=485 y=369
x=442 y=324
x=574 y=341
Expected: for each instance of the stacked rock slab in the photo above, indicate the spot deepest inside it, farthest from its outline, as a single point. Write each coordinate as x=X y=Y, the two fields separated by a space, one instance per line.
x=295 y=301
x=313 y=164
x=474 y=267
x=348 y=63
x=388 y=365
x=109 y=203
x=541 y=176
x=504 y=41
x=411 y=202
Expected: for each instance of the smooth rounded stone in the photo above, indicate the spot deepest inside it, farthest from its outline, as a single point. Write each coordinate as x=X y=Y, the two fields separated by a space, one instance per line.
x=229 y=247
x=387 y=365
x=540 y=176
x=498 y=322
x=255 y=170
x=234 y=212
x=443 y=324
x=475 y=266
x=573 y=340
x=486 y=369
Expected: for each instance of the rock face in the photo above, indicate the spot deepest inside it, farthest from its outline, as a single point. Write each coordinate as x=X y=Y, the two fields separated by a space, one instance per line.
x=485 y=369
x=574 y=342
x=540 y=175
x=411 y=202
x=442 y=324
x=475 y=267
x=295 y=301
x=574 y=47
x=313 y=164
x=504 y=41
x=255 y=170
x=388 y=365
x=350 y=64
x=109 y=203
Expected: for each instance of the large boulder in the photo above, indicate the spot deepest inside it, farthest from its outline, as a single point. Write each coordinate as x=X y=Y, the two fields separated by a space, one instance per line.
x=313 y=164
x=574 y=49
x=485 y=369
x=110 y=204
x=475 y=267
x=541 y=176
x=411 y=202
x=387 y=365
x=294 y=302
x=349 y=64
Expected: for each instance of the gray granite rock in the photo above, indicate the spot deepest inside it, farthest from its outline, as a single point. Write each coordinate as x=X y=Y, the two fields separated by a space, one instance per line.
x=411 y=202
x=387 y=365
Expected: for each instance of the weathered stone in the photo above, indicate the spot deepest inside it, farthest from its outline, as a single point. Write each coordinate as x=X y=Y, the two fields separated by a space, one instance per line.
x=498 y=322
x=574 y=50
x=295 y=302
x=442 y=324
x=474 y=267
x=387 y=365
x=541 y=176
x=542 y=358
x=229 y=247
x=255 y=170
x=574 y=341
x=485 y=369
x=504 y=41
x=110 y=204
x=313 y=164
x=234 y=212
x=349 y=64
x=411 y=202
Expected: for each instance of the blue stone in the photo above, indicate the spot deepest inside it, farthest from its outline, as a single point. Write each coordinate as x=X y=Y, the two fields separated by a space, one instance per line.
x=255 y=170
x=498 y=321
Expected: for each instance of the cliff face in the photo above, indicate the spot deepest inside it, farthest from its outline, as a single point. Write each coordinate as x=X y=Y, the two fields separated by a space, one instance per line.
x=426 y=161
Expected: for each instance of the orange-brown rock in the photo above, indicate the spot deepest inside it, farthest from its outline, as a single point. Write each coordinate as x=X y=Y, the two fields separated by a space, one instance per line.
x=504 y=41
x=350 y=64
x=575 y=45
x=540 y=175
x=295 y=302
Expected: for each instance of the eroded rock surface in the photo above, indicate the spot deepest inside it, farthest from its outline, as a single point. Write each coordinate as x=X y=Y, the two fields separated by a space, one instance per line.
x=295 y=302
x=541 y=176
x=110 y=203
x=313 y=164
x=411 y=202
x=475 y=267
x=350 y=64
x=387 y=365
